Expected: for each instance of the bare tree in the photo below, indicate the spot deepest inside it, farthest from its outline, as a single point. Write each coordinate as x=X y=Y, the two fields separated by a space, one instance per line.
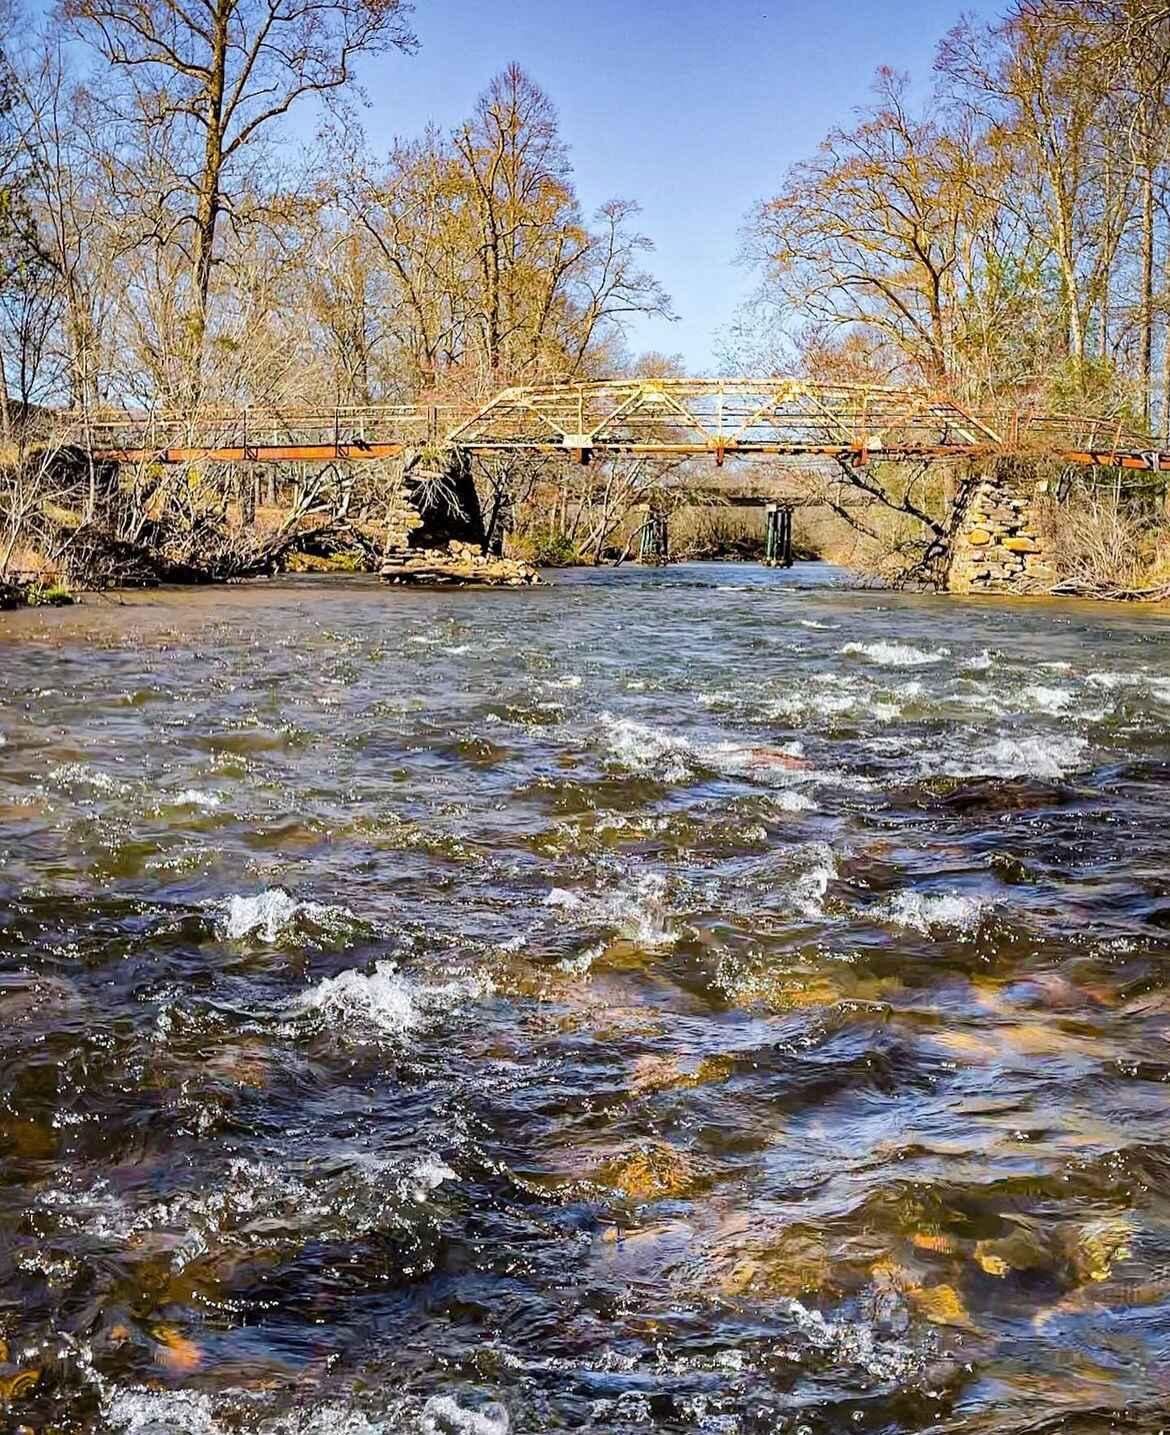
x=215 y=77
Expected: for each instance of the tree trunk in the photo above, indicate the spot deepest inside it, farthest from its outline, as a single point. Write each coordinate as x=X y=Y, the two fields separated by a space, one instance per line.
x=1147 y=317
x=208 y=198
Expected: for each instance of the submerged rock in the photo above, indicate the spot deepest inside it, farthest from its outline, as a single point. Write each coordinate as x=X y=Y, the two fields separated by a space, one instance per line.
x=794 y=1263
x=653 y=1172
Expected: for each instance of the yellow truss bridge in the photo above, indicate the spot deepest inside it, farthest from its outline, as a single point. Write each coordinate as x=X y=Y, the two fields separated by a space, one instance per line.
x=791 y=418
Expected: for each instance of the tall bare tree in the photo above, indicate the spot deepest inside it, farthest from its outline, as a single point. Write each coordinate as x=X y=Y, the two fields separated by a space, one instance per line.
x=215 y=76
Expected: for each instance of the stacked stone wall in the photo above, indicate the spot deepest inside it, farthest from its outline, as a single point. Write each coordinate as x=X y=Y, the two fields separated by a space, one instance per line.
x=402 y=517
x=997 y=546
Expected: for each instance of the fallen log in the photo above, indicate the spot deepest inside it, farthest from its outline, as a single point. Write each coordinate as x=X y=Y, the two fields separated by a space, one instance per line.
x=1110 y=592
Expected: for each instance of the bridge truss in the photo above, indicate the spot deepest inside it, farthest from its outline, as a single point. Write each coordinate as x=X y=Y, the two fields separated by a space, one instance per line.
x=790 y=418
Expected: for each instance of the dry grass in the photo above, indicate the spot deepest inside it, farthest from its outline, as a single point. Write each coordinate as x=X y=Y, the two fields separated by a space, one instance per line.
x=1095 y=542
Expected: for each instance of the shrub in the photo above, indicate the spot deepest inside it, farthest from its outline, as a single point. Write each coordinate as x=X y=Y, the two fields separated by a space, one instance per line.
x=51 y=595
x=548 y=548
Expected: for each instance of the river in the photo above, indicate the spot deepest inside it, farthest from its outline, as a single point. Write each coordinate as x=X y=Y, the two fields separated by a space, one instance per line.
x=707 y=1000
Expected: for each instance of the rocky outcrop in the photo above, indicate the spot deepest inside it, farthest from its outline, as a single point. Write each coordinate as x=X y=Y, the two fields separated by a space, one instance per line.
x=996 y=546
x=456 y=565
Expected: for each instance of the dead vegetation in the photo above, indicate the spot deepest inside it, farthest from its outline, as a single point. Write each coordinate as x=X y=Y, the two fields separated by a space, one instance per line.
x=1108 y=544
x=66 y=520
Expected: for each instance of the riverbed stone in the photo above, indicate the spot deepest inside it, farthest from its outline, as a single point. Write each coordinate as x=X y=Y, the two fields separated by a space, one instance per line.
x=455 y=565
x=652 y=1172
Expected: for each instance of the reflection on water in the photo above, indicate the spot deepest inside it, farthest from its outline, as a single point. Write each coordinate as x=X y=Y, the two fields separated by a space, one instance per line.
x=710 y=1000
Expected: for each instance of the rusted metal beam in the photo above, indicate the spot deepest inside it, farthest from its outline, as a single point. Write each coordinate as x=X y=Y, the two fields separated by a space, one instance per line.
x=253 y=453
x=1156 y=462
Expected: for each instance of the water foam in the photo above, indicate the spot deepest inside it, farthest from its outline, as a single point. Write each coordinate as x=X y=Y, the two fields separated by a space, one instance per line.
x=1049 y=755
x=71 y=775
x=789 y=800
x=139 y=1411
x=652 y=753
x=334 y=1197
x=923 y=911
x=579 y=965
x=855 y=1343
x=1112 y=681
x=797 y=703
x=810 y=889
x=636 y=911
x=647 y=750
x=274 y=914
x=894 y=655
x=383 y=1001
x=1053 y=701
x=1156 y=685
x=833 y=695
x=443 y=1415
x=192 y=797
x=427 y=1176
x=770 y=765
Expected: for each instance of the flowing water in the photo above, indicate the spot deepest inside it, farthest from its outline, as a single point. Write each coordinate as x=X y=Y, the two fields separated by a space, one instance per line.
x=708 y=1000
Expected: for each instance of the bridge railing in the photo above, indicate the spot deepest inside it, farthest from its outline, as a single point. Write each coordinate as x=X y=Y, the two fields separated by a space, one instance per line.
x=257 y=426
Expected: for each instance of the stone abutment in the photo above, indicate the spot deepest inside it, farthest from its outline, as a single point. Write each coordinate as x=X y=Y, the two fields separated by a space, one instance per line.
x=996 y=544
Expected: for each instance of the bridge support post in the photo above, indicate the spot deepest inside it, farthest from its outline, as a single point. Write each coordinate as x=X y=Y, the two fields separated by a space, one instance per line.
x=995 y=544
x=654 y=549
x=249 y=482
x=778 y=536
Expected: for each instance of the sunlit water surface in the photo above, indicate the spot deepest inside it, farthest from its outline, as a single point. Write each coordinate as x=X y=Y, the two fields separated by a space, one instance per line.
x=712 y=1000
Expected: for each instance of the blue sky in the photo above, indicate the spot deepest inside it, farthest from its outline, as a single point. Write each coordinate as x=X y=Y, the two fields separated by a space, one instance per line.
x=693 y=109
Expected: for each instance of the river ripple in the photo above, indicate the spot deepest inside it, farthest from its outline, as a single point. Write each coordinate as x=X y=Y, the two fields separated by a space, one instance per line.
x=712 y=1000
